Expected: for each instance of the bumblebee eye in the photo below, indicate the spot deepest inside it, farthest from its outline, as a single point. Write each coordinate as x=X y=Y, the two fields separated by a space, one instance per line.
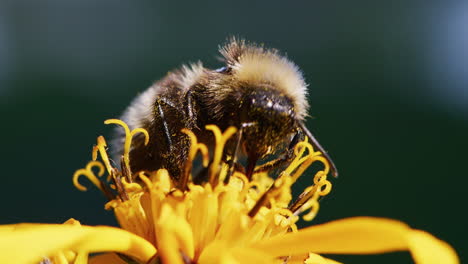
x=224 y=69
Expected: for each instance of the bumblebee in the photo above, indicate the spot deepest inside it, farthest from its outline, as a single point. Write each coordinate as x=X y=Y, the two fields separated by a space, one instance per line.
x=258 y=90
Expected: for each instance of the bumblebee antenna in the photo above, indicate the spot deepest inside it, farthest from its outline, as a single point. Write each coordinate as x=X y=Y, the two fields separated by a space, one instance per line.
x=317 y=145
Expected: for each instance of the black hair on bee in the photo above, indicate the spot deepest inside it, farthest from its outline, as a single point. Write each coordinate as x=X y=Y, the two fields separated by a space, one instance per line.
x=259 y=91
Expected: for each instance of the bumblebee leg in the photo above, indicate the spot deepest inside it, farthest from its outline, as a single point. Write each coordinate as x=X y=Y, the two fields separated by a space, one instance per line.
x=189 y=123
x=232 y=163
x=159 y=103
x=188 y=99
x=286 y=157
x=189 y=114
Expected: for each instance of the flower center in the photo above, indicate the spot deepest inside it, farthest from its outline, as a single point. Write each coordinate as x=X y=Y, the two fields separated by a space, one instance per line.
x=182 y=218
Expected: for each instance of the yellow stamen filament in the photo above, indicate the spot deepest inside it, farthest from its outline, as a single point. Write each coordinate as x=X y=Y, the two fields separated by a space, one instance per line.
x=280 y=190
x=299 y=149
x=131 y=187
x=309 y=198
x=220 y=141
x=88 y=173
x=128 y=137
x=195 y=147
x=306 y=161
x=320 y=188
x=146 y=180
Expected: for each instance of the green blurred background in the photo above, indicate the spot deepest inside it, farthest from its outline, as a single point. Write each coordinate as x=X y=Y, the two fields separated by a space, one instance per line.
x=388 y=93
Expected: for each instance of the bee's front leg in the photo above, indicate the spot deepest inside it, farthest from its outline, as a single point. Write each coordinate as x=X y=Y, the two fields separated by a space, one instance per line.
x=285 y=157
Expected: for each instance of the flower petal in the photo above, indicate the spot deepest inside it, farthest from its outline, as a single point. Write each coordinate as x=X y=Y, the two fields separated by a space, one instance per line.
x=427 y=249
x=217 y=253
x=317 y=259
x=221 y=252
x=174 y=236
x=248 y=255
x=310 y=259
x=29 y=243
x=358 y=235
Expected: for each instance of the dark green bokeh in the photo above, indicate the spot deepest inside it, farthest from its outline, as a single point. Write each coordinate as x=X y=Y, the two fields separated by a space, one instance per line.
x=379 y=99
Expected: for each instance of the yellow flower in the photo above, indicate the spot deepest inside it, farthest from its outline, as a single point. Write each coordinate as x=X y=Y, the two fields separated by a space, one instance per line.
x=226 y=220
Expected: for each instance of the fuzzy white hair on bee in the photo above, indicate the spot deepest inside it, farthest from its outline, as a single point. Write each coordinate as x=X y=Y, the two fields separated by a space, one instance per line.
x=258 y=90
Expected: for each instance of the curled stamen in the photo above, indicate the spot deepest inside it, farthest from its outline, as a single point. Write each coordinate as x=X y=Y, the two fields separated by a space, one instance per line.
x=143 y=131
x=283 y=183
x=311 y=158
x=128 y=138
x=308 y=200
x=243 y=178
x=246 y=185
x=220 y=141
x=313 y=206
x=321 y=188
x=88 y=173
x=131 y=186
x=145 y=180
x=194 y=148
x=285 y=218
x=299 y=150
